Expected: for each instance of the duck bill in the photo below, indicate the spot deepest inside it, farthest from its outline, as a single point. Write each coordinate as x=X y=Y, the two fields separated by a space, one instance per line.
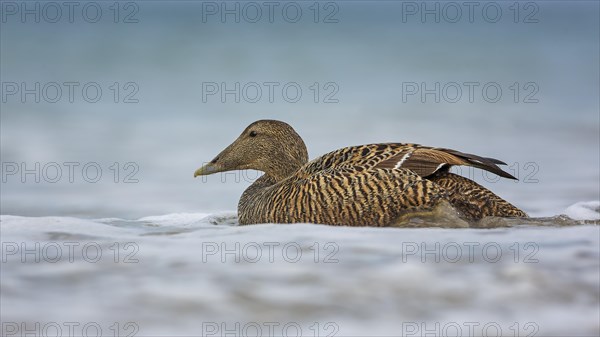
x=221 y=163
x=207 y=169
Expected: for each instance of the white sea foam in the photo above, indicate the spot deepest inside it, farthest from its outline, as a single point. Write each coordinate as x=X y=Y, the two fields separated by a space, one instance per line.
x=585 y=210
x=175 y=219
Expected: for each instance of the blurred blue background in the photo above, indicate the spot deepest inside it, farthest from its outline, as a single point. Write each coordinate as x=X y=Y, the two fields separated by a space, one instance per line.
x=158 y=60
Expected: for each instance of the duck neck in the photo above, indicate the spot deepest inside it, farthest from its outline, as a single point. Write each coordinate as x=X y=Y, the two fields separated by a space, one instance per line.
x=279 y=171
x=249 y=205
x=286 y=161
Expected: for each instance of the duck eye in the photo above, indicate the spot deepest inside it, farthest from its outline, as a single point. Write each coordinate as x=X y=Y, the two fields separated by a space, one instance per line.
x=252 y=134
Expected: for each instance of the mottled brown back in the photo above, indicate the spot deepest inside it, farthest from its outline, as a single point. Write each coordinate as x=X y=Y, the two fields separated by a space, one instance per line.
x=346 y=196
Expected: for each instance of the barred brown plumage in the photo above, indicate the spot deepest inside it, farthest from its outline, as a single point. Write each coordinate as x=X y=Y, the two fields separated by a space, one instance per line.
x=366 y=185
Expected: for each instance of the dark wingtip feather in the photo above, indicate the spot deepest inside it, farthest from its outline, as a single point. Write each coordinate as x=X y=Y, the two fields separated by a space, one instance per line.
x=492 y=167
x=488 y=164
x=495 y=161
x=504 y=174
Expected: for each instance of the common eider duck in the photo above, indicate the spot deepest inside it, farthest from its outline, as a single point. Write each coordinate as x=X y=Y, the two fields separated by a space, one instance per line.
x=366 y=185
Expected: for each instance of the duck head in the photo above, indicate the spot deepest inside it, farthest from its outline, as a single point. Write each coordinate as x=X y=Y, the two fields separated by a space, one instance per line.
x=270 y=146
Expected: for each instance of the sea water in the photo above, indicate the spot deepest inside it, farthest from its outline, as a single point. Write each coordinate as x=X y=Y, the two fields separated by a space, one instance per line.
x=195 y=274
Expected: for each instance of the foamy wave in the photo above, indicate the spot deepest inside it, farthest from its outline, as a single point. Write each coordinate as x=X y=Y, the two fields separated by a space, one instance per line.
x=585 y=210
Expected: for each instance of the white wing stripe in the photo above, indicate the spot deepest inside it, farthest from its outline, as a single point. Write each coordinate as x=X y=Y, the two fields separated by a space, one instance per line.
x=404 y=158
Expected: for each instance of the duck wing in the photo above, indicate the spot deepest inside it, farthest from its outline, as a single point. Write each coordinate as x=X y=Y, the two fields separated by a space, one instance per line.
x=423 y=160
